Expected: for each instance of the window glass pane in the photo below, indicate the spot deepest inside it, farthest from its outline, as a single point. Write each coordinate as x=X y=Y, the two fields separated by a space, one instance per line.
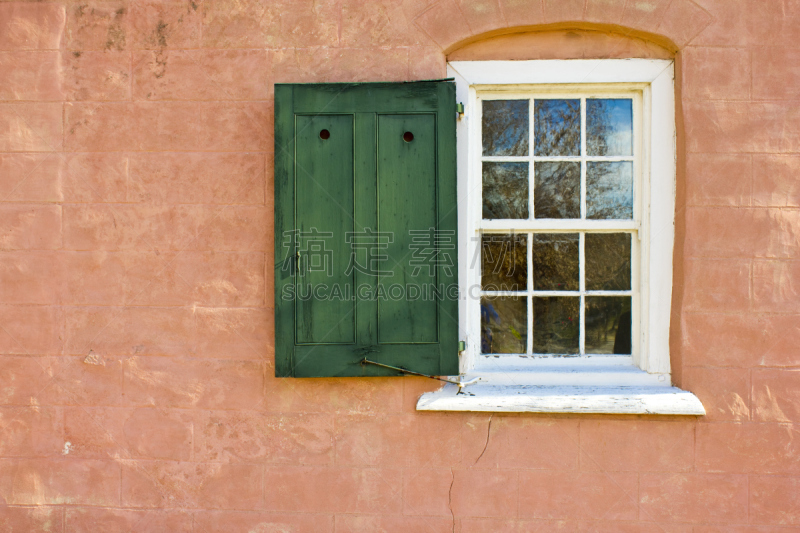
x=504 y=262
x=608 y=324
x=504 y=324
x=505 y=190
x=555 y=262
x=609 y=127
x=608 y=261
x=557 y=127
x=505 y=127
x=609 y=190
x=556 y=325
x=557 y=189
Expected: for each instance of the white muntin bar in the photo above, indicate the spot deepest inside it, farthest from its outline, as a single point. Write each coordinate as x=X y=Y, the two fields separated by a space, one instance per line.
x=560 y=225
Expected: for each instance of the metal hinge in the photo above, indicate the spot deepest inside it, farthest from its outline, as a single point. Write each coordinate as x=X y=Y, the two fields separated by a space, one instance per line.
x=460 y=108
x=462 y=345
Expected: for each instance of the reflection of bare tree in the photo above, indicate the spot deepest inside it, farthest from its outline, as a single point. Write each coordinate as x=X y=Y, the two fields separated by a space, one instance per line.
x=555 y=262
x=557 y=189
x=505 y=127
x=557 y=127
x=505 y=190
x=609 y=190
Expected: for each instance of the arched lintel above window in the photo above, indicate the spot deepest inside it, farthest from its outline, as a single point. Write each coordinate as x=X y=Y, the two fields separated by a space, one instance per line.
x=564 y=40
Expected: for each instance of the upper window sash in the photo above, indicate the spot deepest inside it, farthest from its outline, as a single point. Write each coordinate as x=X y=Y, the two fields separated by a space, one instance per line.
x=536 y=92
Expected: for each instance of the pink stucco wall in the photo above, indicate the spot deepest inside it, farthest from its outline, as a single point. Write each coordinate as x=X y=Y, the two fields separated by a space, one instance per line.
x=136 y=339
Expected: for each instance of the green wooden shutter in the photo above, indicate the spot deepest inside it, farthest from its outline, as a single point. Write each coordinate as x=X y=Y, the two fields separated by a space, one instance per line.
x=365 y=229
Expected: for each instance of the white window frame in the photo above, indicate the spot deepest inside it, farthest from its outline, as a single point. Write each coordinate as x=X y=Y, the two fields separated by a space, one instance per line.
x=637 y=384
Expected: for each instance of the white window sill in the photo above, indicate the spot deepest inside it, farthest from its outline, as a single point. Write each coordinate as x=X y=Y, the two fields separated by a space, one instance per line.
x=612 y=385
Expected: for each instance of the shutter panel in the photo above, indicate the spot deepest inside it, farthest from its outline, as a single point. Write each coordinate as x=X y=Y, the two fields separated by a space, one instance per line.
x=365 y=229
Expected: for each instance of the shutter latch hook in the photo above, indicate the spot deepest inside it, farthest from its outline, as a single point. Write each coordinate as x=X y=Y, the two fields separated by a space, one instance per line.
x=460 y=384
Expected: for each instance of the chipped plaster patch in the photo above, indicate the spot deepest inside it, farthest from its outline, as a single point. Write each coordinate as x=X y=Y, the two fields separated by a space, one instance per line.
x=94 y=359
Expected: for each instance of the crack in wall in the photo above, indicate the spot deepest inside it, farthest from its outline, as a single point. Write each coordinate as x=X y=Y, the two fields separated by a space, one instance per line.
x=488 y=435
x=450 y=497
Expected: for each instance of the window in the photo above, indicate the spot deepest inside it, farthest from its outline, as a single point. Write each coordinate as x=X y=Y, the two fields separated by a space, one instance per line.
x=538 y=229
x=566 y=174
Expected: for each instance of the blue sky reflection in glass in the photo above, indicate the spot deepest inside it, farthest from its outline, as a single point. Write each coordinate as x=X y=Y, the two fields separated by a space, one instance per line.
x=609 y=127
x=557 y=127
